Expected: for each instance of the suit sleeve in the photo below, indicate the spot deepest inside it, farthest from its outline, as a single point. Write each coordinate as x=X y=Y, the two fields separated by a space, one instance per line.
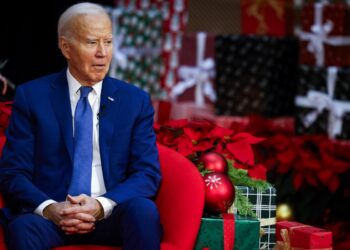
x=16 y=164
x=144 y=171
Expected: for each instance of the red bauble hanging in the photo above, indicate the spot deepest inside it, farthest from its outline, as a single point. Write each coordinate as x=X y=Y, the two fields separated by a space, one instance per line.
x=214 y=162
x=219 y=193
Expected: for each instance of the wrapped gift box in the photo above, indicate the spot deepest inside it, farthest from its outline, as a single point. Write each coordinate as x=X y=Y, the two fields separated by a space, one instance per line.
x=196 y=70
x=264 y=206
x=211 y=234
x=255 y=75
x=137 y=48
x=174 y=22
x=290 y=234
x=325 y=36
x=269 y=17
x=323 y=101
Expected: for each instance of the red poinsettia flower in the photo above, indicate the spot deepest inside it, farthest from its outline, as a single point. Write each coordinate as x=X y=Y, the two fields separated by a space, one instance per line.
x=240 y=146
x=258 y=171
x=192 y=142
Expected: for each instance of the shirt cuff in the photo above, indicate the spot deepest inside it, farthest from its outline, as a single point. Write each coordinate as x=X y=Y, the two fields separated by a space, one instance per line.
x=107 y=205
x=40 y=209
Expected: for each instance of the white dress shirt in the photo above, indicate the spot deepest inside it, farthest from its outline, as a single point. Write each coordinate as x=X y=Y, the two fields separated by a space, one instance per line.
x=97 y=182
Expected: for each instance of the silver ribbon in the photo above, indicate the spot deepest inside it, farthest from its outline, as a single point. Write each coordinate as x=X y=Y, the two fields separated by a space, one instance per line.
x=199 y=75
x=320 y=101
x=319 y=35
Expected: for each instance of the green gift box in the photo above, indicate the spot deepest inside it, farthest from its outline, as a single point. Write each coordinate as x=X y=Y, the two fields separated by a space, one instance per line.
x=211 y=233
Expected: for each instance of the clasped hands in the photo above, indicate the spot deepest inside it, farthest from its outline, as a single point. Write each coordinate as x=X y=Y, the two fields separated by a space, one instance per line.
x=76 y=215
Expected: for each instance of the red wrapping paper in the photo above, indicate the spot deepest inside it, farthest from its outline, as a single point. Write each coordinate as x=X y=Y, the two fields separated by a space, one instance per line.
x=334 y=55
x=267 y=17
x=300 y=236
x=188 y=57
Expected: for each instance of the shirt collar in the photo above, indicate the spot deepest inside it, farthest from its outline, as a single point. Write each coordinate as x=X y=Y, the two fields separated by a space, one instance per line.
x=74 y=85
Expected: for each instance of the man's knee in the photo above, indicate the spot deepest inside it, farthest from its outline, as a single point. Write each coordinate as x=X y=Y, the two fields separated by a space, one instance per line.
x=24 y=223
x=31 y=231
x=142 y=208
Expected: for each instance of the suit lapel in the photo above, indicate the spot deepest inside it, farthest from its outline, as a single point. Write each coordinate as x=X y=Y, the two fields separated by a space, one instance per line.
x=60 y=102
x=107 y=118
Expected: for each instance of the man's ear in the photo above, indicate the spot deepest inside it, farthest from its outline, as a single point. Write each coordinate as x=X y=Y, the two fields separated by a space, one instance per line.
x=64 y=45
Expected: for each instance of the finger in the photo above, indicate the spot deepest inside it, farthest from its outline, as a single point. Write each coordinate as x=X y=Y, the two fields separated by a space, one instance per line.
x=70 y=222
x=85 y=217
x=70 y=230
x=72 y=210
x=85 y=226
x=74 y=199
x=85 y=231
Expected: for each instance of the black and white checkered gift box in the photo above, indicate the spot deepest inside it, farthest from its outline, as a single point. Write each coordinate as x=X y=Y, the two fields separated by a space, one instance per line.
x=264 y=206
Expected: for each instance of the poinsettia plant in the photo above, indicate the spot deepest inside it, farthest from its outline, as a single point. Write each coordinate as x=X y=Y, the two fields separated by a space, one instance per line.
x=195 y=138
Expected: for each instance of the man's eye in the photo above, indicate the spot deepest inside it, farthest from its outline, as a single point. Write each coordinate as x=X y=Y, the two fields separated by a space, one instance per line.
x=91 y=42
x=109 y=42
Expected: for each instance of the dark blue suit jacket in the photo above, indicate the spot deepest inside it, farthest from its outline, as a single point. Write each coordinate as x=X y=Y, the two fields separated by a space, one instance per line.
x=36 y=164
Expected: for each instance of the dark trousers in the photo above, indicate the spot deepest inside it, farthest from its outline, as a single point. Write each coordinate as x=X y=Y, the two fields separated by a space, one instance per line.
x=134 y=225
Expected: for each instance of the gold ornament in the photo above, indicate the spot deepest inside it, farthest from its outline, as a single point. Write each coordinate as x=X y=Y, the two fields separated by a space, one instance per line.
x=284 y=212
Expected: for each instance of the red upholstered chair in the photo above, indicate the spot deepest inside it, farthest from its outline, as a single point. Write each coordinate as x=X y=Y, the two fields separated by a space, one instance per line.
x=180 y=202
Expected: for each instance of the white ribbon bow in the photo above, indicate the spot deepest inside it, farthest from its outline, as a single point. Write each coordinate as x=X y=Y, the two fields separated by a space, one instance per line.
x=199 y=75
x=319 y=35
x=321 y=101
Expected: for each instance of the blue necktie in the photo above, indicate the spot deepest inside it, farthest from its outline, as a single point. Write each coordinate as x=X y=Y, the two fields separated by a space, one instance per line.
x=82 y=162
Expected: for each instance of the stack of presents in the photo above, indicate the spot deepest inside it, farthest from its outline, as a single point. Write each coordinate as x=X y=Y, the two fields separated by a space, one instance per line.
x=291 y=69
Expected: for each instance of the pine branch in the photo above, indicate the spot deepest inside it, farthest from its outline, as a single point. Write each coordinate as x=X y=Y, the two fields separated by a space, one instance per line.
x=239 y=177
x=243 y=205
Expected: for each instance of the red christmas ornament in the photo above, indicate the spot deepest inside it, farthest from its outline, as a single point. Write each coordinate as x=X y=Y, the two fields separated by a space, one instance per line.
x=219 y=193
x=214 y=162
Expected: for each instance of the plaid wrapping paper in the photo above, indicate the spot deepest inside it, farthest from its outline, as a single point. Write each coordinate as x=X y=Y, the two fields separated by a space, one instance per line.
x=336 y=94
x=137 y=48
x=174 y=22
x=264 y=205
x=255 y=75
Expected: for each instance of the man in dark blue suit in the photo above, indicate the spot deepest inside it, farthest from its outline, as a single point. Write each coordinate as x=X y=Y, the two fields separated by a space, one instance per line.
x=39 y=169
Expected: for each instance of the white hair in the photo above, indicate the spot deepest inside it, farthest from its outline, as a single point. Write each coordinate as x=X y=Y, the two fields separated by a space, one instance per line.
x=76 y=10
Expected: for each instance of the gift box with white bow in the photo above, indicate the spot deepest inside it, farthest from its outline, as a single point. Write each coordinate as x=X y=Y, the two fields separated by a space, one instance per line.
x=323 y=101
x=174 y=22
x=325 y=34
x=137 y=48
x=196 y=70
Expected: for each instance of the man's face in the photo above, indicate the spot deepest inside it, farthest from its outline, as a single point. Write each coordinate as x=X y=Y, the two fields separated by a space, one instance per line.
x=89 y=52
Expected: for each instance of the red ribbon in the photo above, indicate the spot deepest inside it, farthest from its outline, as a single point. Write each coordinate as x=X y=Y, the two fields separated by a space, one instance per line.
x=229 y=231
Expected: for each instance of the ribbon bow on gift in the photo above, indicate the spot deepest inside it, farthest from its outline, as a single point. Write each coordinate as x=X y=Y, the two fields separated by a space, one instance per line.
x=319 y=35
x=198 y=75
x=321 y=101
